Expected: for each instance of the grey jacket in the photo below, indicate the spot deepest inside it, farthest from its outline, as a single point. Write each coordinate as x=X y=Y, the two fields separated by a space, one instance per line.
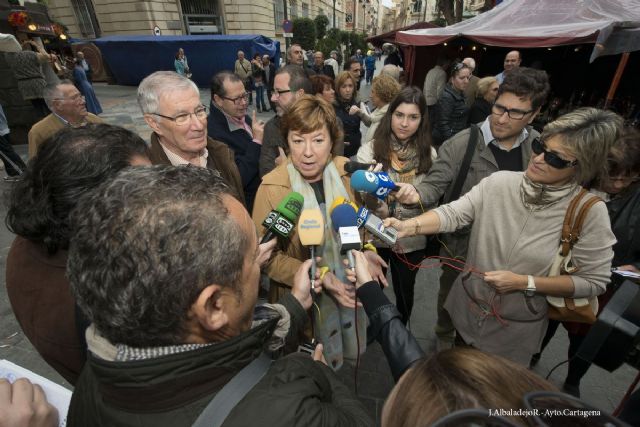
x=271 y=140
x=440 y=179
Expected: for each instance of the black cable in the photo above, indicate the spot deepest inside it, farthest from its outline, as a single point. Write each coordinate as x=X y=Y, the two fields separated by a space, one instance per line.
x=557 y=366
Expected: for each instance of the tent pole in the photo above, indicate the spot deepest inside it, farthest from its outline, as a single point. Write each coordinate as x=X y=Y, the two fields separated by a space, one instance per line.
x=616 y=79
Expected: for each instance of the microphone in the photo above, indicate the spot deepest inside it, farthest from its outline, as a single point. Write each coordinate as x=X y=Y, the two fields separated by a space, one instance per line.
x=311 y=233
x=351 y=167
x=282 y=220
x=345 y=223
x=341 y=200
x=374 y=225
x=377 y=183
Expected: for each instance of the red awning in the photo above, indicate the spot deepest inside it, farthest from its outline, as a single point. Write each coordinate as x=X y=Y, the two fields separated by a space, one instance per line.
x=613 y=25
x=390 y=36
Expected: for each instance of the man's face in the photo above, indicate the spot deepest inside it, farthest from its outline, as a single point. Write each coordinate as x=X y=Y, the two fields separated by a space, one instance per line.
x=358 y=52
x=80 y=55
x=265 y=60
x=355 y=68
x=185 y=140
x=511 y=61
x=296 y=55
x=234 y=102
x=239 y=309
x=70 y=105
x=318 y=58
x=240 y=56
x=280 y=96
x=504 y=127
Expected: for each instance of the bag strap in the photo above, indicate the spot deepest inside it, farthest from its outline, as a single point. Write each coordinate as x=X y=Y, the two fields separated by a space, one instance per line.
x=571 y=229
x=464 y=166
x=233 y=392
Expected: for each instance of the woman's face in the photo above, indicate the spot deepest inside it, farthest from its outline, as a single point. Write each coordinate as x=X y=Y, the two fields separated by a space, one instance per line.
x=542 y=173
x=375 y=99
x=405 y=121
x=329 y=94
x=492 y=93
x=180 y=52
x=461 y=80
x=310 y=152
x=346 y=90
x=616 y=184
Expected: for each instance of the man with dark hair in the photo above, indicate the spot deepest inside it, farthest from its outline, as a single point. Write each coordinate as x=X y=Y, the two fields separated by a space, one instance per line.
x=68 y=109
x=503 y=142
x=354 y=67
x=172 y=108
x=289 y=84
x=229 y=123
x=320 y=67
x=172 y=305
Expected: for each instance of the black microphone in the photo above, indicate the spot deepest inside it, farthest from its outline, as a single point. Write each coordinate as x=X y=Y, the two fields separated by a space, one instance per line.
x=351 y=167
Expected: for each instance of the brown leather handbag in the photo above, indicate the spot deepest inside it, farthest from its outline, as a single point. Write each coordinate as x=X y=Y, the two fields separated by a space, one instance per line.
x=582 y=310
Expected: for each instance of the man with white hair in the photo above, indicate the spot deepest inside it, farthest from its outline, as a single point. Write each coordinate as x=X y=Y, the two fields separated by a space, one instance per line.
x=472 y=88
x=173 y=110
x=68 y=109
x=295 y=56
x=333 y=62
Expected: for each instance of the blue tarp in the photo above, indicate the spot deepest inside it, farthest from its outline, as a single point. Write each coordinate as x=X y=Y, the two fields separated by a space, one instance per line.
x=132 y=58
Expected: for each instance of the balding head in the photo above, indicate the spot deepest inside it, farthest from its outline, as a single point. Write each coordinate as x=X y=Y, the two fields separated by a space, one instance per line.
x=512 y=60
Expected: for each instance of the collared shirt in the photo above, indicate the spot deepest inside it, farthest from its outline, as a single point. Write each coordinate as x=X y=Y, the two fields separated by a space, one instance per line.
x=500 y=77
x=488 y=136
x=85 y=66
x=235 y=123
x=176 y=160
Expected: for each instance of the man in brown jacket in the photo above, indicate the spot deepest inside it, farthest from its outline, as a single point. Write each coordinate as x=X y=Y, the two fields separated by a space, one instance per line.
x=173 y=110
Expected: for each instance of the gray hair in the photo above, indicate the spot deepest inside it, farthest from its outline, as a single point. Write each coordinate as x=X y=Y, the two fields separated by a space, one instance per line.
x=391 y=71
x=156 y=84
x=470 y=62
x=297 y=78
x=484 y=84
x=588 y=134
x=52 y=92
x=145 y=244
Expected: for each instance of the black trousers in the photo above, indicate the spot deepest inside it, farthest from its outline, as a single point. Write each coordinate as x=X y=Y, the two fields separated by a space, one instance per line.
x=403 y=278
x=577 y=367
x=13 y=163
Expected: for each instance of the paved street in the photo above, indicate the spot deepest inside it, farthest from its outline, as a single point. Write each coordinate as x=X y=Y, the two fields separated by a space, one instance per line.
x=599 y=388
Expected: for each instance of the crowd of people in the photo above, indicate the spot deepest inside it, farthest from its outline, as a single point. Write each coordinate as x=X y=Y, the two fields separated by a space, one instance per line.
x=136 y=267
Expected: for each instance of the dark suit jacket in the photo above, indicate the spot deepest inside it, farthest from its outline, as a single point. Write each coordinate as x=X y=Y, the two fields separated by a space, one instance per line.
x=326 y=70
x=272 y=75
x=220 y=158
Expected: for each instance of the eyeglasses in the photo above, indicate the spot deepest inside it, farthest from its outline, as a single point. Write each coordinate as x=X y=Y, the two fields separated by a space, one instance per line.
x=238 y=99
x=458 y=66
x=552 y=159
x=201 y=114
x=278 y=92
x=513 y=113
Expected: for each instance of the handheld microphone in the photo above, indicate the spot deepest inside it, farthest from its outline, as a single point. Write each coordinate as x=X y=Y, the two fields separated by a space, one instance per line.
x=340 y=201
x=282 y=220
x=374 y=225
x=377 y=183
x=345 y=223
x=311 y=233
x=351 y=167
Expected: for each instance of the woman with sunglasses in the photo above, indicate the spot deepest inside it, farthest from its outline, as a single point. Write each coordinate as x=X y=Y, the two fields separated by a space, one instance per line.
x=622 y=189
x=498 y=303
x=451 y=109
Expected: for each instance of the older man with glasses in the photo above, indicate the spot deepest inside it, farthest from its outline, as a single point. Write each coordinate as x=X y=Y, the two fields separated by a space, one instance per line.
x=173 y=110
x=68 y=108
x=501 y=142
x=230 y=124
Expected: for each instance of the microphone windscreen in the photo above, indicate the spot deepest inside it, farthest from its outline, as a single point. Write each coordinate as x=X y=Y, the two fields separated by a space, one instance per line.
x=340 y=201
x=351 y=167
x=364 y=181
x=291 y=206
x=311 y=227
x=344 y=216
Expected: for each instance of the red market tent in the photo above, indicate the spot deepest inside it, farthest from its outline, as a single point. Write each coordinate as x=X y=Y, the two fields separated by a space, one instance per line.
x=390 y=36
x=613 y=26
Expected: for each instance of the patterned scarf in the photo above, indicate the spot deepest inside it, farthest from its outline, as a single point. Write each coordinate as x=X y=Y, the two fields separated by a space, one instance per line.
x=536 y=196
x=404 y=160
x=334 y=324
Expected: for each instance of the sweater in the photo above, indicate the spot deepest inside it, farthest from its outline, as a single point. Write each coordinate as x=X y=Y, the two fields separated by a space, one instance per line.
x=506 y=235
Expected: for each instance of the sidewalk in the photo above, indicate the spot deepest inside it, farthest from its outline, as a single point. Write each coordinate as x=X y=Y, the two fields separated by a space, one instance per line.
x=599 y=388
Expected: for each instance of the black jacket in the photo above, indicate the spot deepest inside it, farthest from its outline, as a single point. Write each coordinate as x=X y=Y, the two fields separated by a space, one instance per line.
x=272 y=75
x=351 y=127
x=451 y=114
x=385 y=325
x=624 y=212
x=246 y=152
x=172 y=390
x=479 y=111
x=326 y=70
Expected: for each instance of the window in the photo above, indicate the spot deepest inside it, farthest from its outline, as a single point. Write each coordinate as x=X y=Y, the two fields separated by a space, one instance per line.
x=305 y=10
x=278 y=14
x=417 y=6
x=294 y=10
x=86 y=16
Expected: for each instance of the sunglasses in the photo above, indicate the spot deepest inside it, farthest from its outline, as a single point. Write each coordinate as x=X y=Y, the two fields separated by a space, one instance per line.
x=552 y=159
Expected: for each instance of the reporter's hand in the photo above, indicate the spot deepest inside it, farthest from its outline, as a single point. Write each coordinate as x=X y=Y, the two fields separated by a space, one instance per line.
x=628 y=267
x=375 y=266
x=404 y=228
x=343 y=293
x=318 y=356
x=505 y=281
x=23 y=404
x=257 y=127
x=264 y=252
x=407 y=195
x=361 y=275
x=354 y=110
x=301 y=289
x=376 y=168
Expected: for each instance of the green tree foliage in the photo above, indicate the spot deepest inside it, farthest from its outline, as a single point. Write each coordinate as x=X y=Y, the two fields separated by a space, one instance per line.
x=321 y=22
x=304 y=33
